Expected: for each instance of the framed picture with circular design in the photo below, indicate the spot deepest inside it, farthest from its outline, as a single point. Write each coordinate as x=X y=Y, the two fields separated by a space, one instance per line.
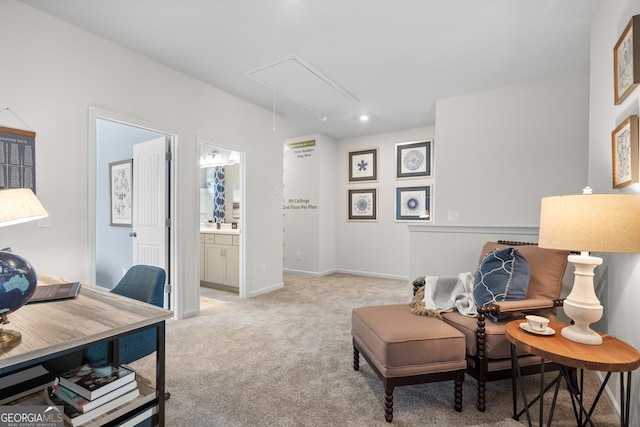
x=413 y=203
x=362 y=204
x=414 y=159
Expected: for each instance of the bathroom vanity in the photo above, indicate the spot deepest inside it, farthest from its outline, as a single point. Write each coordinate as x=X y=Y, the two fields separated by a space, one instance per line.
x=220 y=258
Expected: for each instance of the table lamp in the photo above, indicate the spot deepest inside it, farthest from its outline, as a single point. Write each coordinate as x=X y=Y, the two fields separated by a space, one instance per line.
x=18 y=278
x=588 y=223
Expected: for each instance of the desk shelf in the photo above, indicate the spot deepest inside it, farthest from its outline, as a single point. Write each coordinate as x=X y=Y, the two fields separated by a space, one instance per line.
x=143 y=401
x=53 y=329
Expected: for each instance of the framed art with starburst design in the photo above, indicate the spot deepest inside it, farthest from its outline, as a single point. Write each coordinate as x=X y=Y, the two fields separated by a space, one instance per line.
x=624 y=152
x=363 y=165
x=414 y=159
x=362 y=204
x=413 y=203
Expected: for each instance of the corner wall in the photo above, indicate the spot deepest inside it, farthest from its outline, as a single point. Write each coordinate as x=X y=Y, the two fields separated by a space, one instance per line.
x=309 y=204
x=497 y=153
x=378 y=248
x=619 y=275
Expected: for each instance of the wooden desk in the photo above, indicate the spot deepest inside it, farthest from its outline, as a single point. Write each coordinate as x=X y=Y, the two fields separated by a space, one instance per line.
x=56 y=328
x=613 y=355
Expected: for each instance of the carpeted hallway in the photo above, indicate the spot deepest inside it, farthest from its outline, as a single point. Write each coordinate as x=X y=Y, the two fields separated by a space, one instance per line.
x=285 y=359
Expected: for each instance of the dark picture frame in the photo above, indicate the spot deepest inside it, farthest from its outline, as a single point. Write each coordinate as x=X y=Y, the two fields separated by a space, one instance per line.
x=362 y=204
x=17 y=158
x=363 y=165
x=414 y=159
x=626 y=54
x=121 y=193
x=414 y=203
x=624 y=153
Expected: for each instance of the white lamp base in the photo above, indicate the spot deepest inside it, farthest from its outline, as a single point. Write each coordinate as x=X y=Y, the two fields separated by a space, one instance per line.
x=582 y=305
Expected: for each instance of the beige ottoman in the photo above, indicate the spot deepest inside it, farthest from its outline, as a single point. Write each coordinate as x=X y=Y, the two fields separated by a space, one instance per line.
x=404 y=349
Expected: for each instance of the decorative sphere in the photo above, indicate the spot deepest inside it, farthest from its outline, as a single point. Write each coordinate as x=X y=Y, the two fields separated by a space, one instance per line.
x=18 y=281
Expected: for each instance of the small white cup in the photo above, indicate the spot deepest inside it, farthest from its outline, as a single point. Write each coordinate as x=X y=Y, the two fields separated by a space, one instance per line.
x=537 y=323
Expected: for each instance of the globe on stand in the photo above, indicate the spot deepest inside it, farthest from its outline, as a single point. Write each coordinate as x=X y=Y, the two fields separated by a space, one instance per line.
x=18 y=281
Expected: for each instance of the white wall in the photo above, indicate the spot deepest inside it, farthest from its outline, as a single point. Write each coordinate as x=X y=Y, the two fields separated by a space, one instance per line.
x=114 y=251
x=497 y=153
x=309 y=205
x=54 y=72
x=620 y=274
x=375 y=248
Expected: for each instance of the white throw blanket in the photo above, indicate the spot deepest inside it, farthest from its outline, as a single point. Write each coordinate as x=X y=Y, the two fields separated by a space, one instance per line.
x=442 y=294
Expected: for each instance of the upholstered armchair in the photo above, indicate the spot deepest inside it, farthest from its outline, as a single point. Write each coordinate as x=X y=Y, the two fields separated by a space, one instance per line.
x=488 y=352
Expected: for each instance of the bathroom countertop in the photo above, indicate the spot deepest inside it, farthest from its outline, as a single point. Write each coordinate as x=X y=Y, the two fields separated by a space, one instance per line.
x=213 y=230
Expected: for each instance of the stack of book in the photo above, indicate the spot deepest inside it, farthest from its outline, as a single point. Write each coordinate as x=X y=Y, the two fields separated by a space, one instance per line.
x=88 y=392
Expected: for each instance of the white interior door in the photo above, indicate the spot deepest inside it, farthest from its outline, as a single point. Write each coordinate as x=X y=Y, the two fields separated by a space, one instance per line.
x=150 y=212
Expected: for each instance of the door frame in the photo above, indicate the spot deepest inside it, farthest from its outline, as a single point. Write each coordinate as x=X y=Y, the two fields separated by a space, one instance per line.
x=95 y=114
x=242 y=291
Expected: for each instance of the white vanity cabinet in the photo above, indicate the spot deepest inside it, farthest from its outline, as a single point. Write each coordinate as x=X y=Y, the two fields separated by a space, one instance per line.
x=220 y=260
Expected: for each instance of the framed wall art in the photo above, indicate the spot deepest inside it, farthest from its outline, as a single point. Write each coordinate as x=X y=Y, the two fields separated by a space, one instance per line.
x=624 y=153
x=362 y=204
x=626 y=55
x=363 y=165
x=413 y=203
x=121 y=192
x=414 y=159
x=17 y=158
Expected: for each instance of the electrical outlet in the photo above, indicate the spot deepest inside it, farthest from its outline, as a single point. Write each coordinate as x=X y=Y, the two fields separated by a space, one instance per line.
x=452 y=215
x=298 y=256
x=263 y=269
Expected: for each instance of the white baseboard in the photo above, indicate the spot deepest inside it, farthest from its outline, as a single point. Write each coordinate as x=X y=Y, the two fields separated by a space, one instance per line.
x=266 y=290
x=353 y=272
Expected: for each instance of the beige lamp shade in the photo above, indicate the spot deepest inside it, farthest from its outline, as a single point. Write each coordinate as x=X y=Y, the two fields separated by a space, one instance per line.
x=19 y=205
x=591 y=222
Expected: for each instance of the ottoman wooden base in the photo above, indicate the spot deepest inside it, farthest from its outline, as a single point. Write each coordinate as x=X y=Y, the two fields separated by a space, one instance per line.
x=405 y=349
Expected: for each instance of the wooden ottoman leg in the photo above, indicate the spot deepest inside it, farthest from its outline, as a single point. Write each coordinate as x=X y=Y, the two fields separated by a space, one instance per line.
x=457 y=394
x=481 y=396
x=388 y=403
x=356 y=359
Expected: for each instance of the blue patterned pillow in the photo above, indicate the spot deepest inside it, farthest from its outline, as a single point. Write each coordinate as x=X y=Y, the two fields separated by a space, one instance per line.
x=503 y=275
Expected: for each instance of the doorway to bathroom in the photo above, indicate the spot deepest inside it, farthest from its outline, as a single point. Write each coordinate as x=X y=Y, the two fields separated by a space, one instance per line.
x=221 y=220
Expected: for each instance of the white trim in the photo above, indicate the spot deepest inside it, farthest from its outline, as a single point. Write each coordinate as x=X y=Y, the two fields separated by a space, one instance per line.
x=531 y=230
x=175 y=267
x=242 y=288
x=266 y=290
x=342 y=271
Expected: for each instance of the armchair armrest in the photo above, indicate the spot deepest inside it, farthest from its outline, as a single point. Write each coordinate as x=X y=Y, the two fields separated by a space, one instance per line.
x=529 y=304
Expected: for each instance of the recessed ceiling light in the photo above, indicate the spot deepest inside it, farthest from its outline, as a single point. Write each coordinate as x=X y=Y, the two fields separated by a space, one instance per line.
x=364 y=118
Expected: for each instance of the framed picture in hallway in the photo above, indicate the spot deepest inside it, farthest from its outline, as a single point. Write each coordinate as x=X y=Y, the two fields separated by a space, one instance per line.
x=362 y=204
x=626 y=61
x=363 y=165
x=414 y=159
x=624 y=153
x=121 y=192
x=413 y=203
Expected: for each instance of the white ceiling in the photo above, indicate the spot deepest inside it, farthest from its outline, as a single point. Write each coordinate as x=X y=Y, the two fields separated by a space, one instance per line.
x=390 y=59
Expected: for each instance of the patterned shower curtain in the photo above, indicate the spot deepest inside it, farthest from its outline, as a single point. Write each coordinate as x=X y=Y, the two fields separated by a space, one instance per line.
x=218 y=194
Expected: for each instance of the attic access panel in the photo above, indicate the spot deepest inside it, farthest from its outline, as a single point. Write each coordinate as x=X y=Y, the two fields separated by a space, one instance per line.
x=299 y=81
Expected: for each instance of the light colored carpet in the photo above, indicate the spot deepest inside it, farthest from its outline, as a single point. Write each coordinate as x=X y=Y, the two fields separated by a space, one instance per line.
x=286 y=359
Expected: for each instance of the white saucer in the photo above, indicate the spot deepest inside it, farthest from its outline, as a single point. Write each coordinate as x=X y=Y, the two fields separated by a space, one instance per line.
x=526 y=327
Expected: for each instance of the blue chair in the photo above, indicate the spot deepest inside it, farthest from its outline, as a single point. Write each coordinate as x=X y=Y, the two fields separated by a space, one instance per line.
x=144 y=283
